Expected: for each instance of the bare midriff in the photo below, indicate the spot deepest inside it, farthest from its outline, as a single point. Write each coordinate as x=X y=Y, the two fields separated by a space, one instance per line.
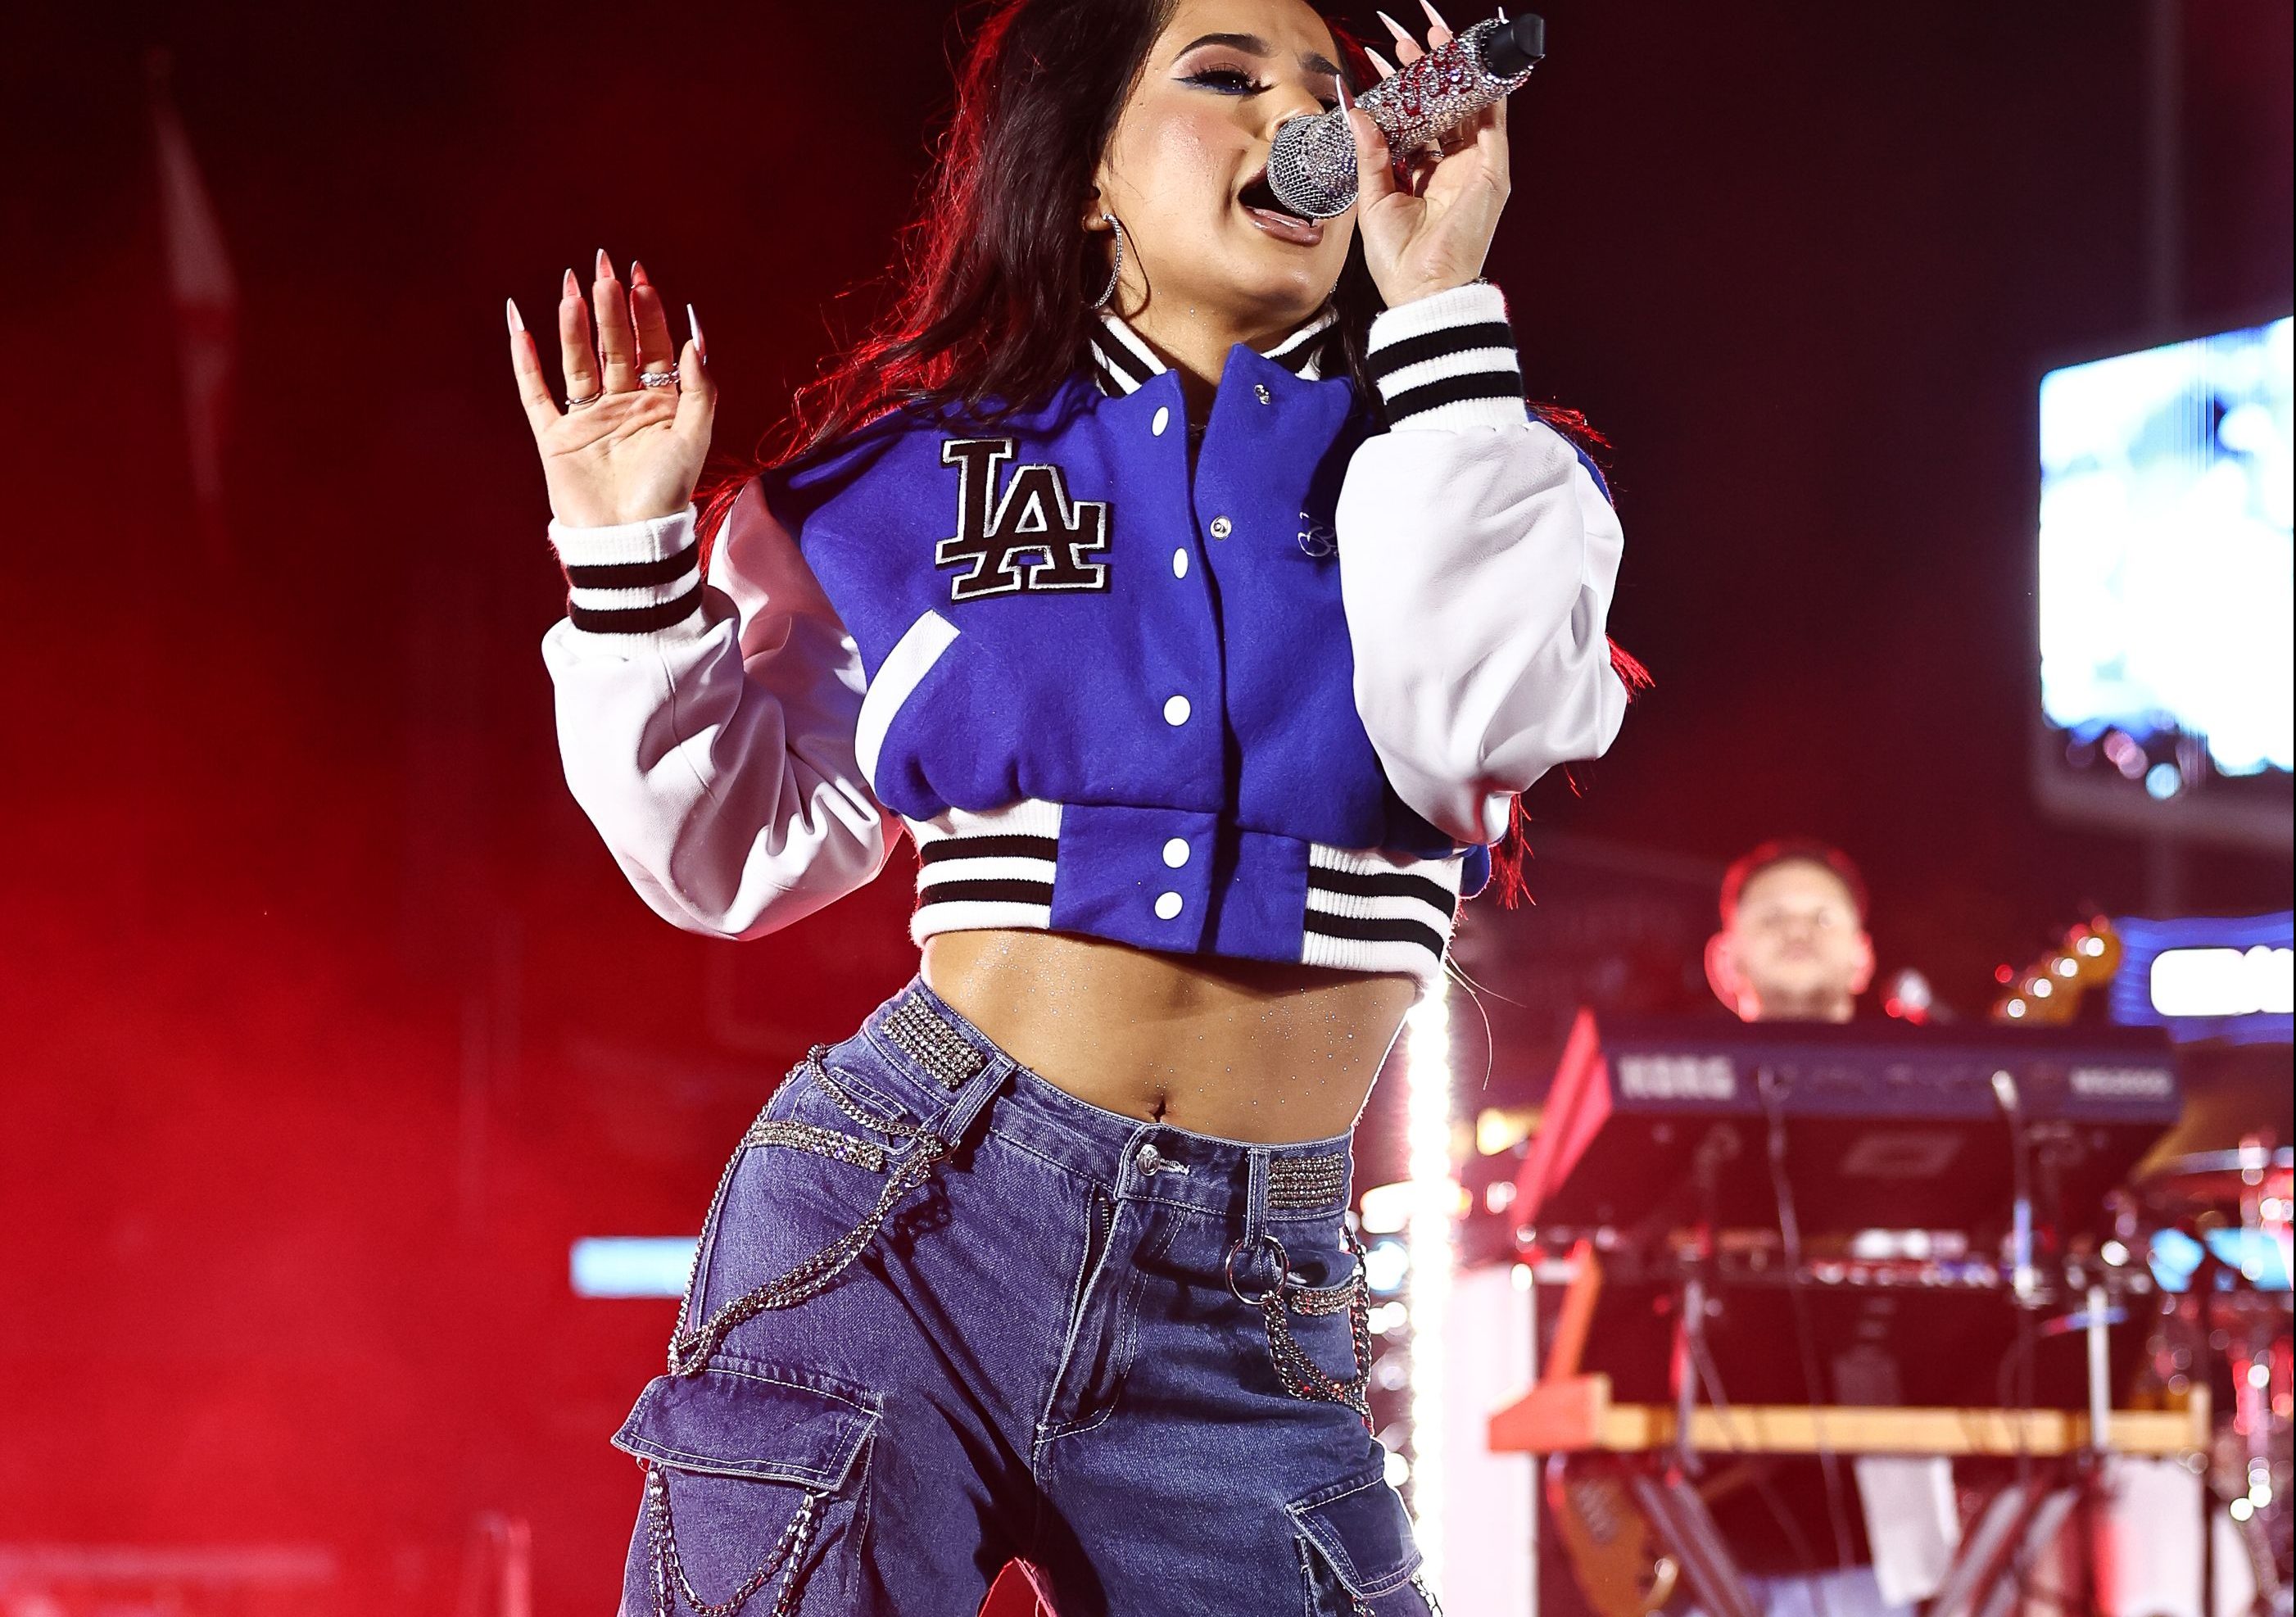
x=1242 y=1049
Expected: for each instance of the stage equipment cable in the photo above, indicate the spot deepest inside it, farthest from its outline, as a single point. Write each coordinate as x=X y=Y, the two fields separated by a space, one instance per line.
x=1702 y=1360
x=2021 y=1359
x=1829 y=1463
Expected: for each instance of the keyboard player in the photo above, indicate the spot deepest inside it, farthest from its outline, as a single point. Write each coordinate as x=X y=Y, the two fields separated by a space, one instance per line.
x=1793 y=947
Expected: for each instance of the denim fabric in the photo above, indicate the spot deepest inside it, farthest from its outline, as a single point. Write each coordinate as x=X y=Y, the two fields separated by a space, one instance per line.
x=1040 y=1355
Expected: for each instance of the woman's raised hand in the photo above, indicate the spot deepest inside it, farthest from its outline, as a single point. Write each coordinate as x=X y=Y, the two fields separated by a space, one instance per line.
x=630 y=440
x=1429 y=230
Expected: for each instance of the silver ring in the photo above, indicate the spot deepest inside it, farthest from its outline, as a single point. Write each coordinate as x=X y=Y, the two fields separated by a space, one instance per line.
x=584 y=404
x=659 y=379
x=1283 y=1267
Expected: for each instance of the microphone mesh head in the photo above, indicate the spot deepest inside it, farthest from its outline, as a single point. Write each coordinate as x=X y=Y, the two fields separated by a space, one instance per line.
x=1311 y=166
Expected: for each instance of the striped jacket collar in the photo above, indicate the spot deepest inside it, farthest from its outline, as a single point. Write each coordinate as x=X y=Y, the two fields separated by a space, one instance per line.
x=1121 y=361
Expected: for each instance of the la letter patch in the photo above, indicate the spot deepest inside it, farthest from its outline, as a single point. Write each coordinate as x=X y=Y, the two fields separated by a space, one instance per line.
x=1030 y=537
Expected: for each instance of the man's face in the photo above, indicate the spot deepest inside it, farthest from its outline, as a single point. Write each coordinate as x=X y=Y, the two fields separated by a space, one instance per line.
x=1794 y=951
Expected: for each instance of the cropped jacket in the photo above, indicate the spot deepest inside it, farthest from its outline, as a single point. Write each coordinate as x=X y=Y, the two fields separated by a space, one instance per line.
x=1273 y=706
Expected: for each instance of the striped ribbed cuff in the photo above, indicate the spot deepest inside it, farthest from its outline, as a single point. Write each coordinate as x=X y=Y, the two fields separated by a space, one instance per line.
x=634 y=578
x=1448 y=361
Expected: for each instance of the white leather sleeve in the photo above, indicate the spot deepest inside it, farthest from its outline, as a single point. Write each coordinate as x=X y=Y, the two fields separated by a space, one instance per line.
x=1478 y=555
x=707 y=729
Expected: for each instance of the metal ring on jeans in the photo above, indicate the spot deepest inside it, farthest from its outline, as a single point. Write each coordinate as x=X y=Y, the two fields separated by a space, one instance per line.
x=1282 y=1272
x=659 y=379
x=584 y=404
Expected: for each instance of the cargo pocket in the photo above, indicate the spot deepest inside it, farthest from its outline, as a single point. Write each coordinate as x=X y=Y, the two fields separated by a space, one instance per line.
x=1356 y=1556
x=754 y=1480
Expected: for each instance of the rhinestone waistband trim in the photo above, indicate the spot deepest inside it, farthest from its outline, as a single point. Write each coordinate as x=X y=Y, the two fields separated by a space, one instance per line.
x=1303 y=1184
x=932 y=1044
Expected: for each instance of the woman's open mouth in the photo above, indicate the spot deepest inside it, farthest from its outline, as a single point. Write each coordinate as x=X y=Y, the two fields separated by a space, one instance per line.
x=1258 y=202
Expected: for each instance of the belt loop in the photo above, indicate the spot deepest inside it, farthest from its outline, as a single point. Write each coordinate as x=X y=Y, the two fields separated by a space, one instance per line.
x=965 y=1109
x=1255 y=1198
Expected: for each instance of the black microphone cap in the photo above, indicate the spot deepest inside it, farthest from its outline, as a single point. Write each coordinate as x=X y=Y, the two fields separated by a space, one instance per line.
x=1515 y=45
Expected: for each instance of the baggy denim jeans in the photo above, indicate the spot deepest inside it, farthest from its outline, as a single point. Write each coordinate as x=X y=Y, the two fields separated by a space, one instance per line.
x=944 y=1315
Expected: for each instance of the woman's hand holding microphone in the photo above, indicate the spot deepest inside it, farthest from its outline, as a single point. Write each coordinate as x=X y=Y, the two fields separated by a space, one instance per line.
x=1430 y=229
x=628 y=441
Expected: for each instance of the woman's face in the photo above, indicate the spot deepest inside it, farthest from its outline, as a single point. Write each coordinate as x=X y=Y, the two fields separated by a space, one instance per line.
x=1185 y=169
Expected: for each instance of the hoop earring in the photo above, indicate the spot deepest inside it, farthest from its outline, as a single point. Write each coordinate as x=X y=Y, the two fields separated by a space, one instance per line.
x=1116 y=268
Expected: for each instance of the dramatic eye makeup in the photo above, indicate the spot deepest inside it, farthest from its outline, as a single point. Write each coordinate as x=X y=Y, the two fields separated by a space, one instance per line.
x=1227 y=80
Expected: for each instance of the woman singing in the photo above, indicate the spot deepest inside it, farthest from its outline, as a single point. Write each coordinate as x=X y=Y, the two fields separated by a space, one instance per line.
x=1191 y=584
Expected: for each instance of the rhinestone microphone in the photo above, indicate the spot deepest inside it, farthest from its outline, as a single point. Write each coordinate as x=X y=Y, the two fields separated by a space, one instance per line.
x=1311 y=167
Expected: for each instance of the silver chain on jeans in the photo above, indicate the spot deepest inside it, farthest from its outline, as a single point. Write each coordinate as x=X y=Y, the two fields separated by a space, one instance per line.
x=718 y=1202
x=690 y=1351
x=817 y=1063
x=1301 y=1376
x=670 y=1580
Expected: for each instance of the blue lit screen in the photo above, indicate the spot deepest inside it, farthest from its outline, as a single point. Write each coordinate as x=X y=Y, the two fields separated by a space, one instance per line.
x=630 y=1266
x=2166 y=572
x=2255 y=1253
x=2215 y=977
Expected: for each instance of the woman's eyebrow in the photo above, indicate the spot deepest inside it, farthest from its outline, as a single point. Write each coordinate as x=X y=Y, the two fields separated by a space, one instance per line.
x=1252 y=44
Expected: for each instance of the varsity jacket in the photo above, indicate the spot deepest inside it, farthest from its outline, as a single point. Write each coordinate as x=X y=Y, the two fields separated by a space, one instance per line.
x=1274 y=709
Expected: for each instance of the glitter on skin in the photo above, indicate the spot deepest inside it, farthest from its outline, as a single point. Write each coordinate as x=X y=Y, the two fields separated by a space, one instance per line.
x=1246 y=1050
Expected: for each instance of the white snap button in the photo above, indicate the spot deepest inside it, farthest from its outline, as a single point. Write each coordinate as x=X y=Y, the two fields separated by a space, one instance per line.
x=1175 y=853
x=1179 y=563
x=1222 y=528
x=1163 y=419
x=1168 y=906
x=1176 y=710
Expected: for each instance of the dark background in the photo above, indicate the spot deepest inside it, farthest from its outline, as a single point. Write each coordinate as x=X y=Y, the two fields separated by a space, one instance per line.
x=328 y=1022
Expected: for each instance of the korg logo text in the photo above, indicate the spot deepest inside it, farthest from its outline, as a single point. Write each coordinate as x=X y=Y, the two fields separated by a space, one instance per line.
x=1677 y=1078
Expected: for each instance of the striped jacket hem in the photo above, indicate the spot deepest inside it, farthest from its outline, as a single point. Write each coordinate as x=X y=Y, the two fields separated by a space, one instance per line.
x=1365 y=909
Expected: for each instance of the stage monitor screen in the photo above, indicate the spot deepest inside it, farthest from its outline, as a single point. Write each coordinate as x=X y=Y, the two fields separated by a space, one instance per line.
x=2165 y=588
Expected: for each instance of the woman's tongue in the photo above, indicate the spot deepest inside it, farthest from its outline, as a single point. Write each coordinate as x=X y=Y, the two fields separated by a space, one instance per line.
x=1260 y=206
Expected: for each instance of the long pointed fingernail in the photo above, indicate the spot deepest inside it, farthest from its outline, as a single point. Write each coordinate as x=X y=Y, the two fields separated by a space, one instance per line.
x=693 y=328
x=571 y=288
x=1433 y=15
x=1346 y=97
x=1386 y=68
x=1395 y=28
x=605 y=265
x=638 y=274
x=510 y=308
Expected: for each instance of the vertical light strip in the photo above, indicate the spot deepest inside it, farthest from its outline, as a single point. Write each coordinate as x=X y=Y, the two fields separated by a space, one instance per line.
x=1434 y=1203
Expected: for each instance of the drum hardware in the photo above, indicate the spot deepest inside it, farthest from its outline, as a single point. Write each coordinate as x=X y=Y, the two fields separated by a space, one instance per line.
x=2226 y=1324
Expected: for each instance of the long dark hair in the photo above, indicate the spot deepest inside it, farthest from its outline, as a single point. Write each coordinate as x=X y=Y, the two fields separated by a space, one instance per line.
x=990 y=306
